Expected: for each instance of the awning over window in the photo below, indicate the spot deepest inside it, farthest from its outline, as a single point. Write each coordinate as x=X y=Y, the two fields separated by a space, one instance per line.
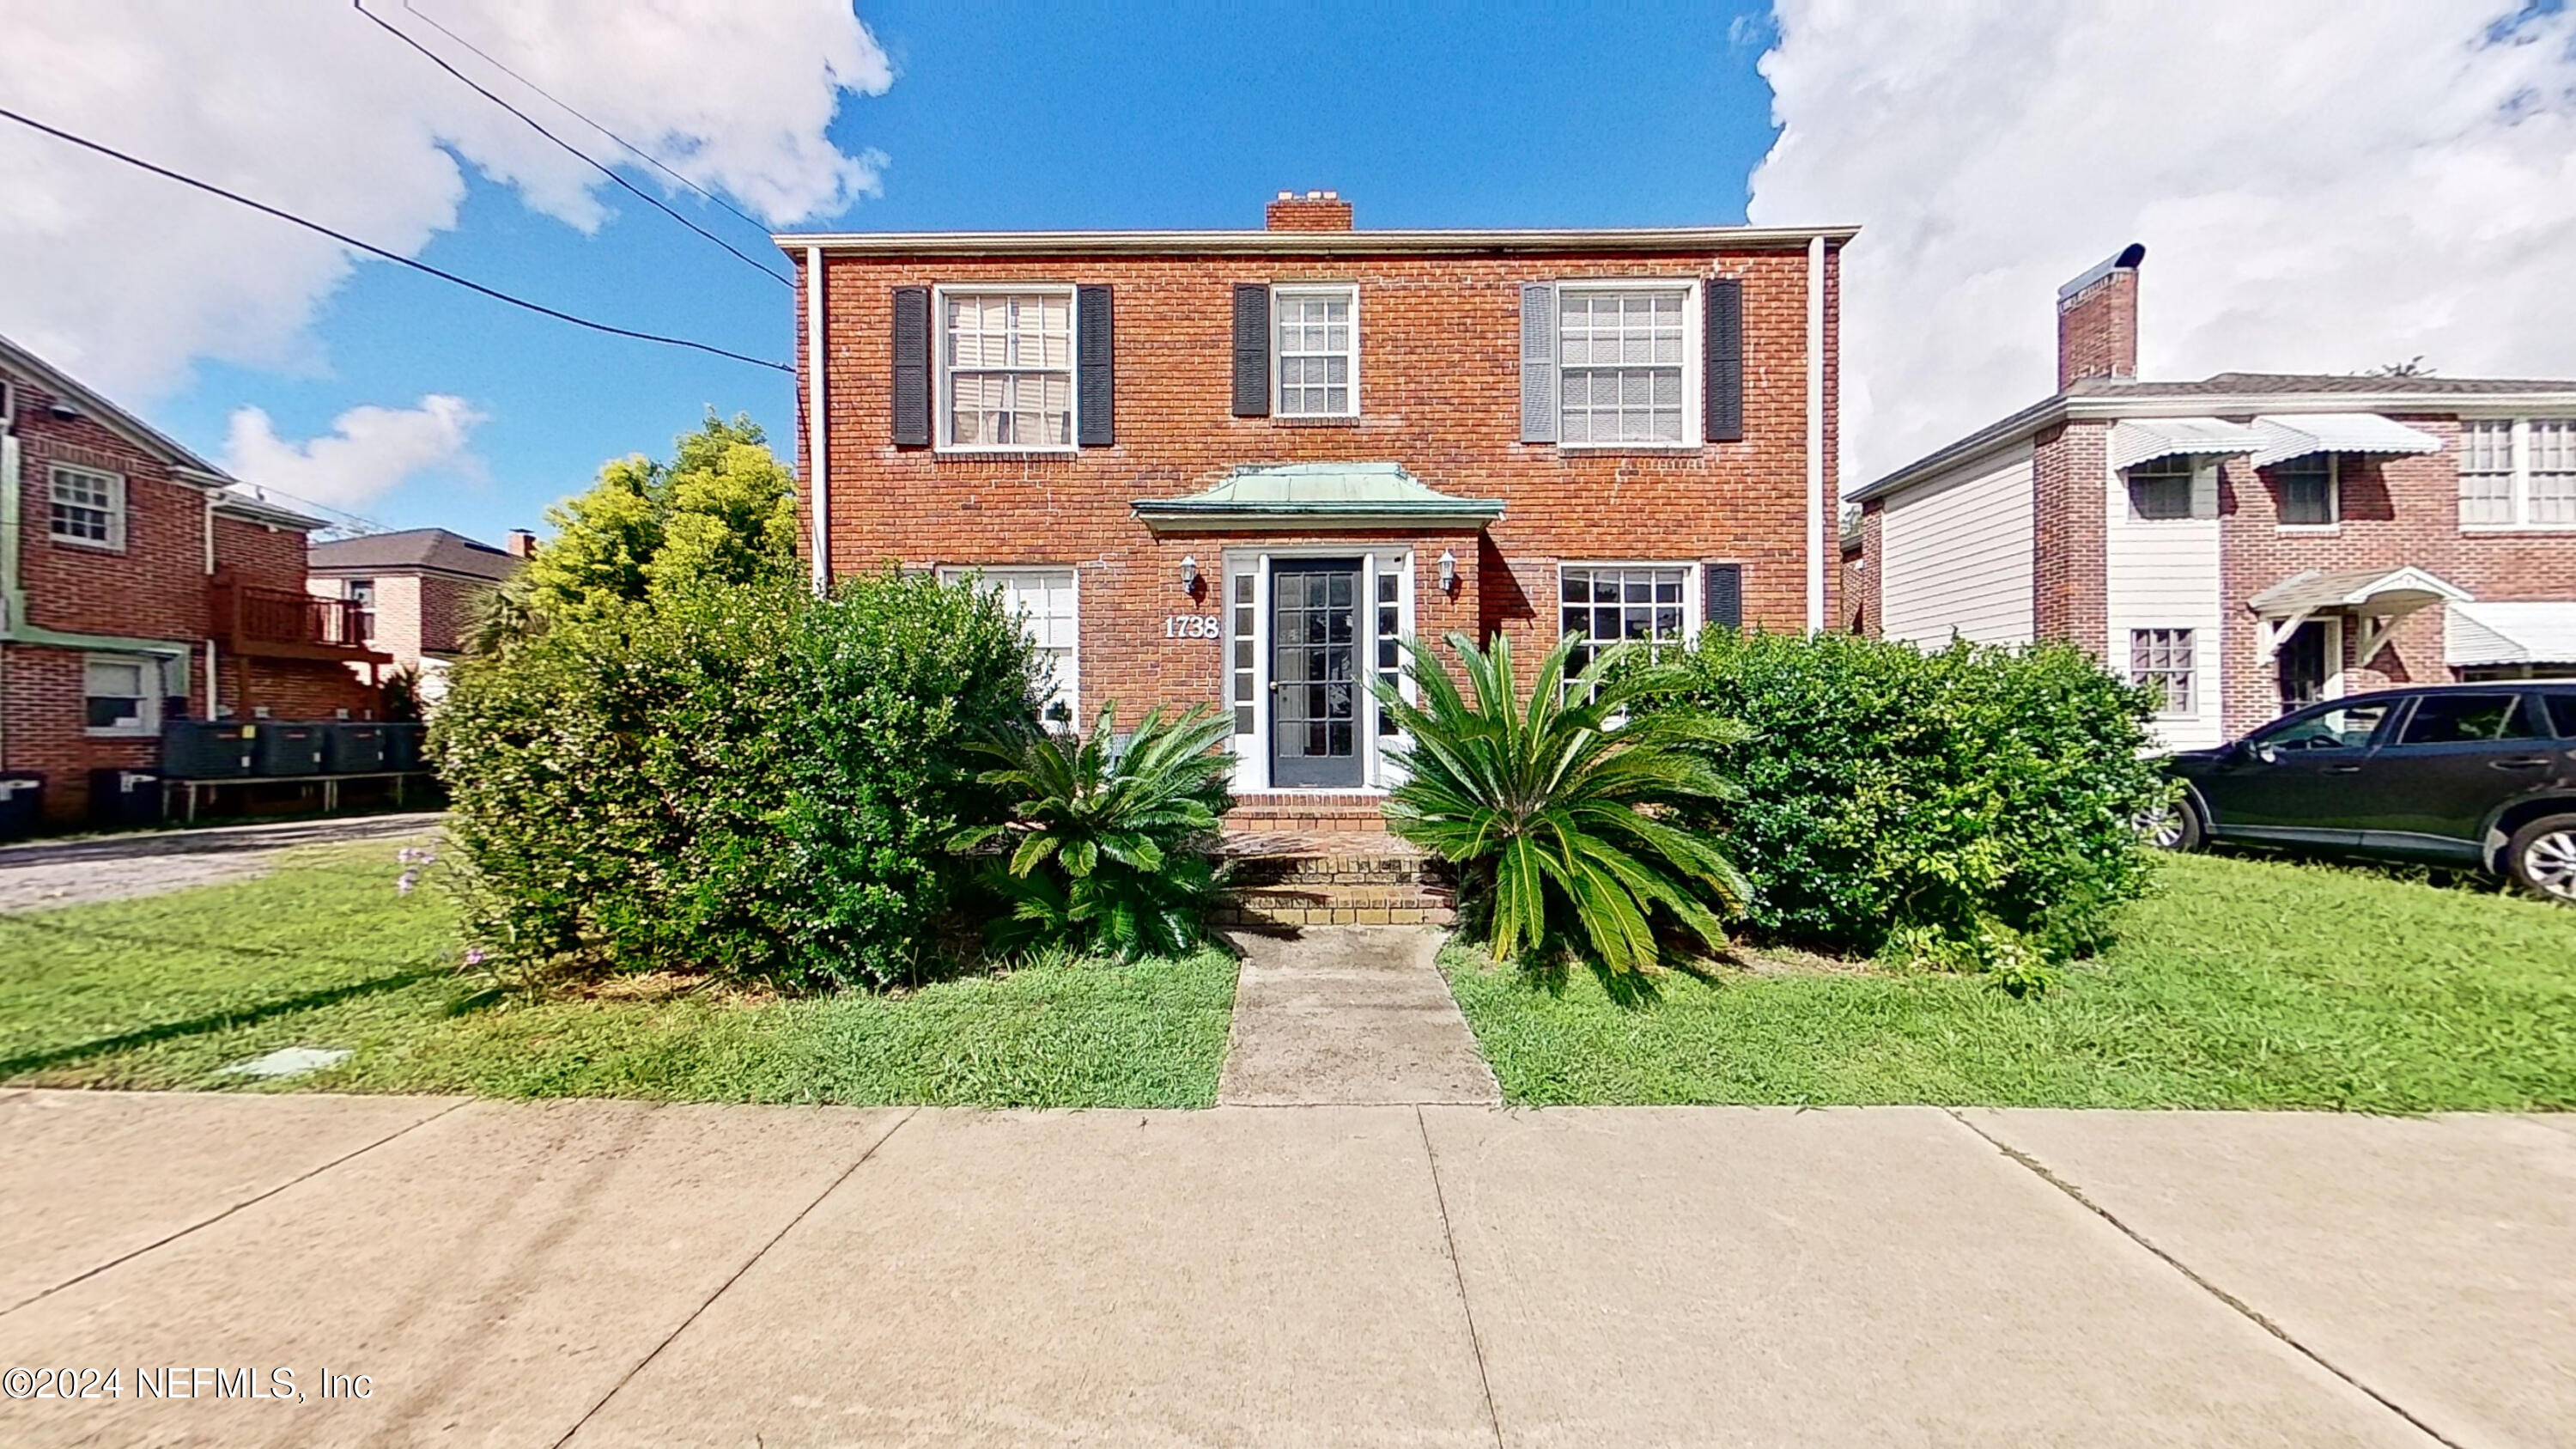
x=1313 y=495
x=2144 y=440
x=2301 y=434
x=2510 y=632
x=2375 y=599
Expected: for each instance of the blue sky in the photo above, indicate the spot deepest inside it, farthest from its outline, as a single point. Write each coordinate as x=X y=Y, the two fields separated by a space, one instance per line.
x=1016 y=116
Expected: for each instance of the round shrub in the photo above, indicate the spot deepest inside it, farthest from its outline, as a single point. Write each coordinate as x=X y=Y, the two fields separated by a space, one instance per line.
x=743 y=781
x=1928 y=799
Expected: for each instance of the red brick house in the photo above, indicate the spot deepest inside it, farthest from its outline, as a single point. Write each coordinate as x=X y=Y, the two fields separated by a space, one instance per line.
x=2247 y=542
x=416 y=590
x=139 y=584
x=1234 y=468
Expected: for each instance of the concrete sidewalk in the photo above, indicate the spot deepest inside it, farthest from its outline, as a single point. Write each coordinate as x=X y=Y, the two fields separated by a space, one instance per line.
x=609 y=1273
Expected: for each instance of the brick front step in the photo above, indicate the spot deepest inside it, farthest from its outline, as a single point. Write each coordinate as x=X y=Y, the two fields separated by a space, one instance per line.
x=1332 y=879
x=1306 y=813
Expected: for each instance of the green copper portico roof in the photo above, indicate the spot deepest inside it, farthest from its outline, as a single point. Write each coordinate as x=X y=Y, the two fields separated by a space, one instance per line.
x=1306 y=495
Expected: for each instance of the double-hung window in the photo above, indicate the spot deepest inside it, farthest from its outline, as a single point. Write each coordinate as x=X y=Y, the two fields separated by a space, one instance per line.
x=1315 y=347
x=1623 y=373
x=2164 y=660
x=1043 y=600
x=88 y=507
x=1603 y=604
x=120 y=694
x=2307 y=490
x=1006 y=369
x=2518 y=473
x=2161 y=488
x=362 y=592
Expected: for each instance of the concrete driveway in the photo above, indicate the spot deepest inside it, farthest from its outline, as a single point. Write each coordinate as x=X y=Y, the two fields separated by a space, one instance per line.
x=40 y=874
x=610 y=1273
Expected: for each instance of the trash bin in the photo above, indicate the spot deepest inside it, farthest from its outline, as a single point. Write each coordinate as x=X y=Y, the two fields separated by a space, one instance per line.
x=22 y=803
x=125 y=797
x=198 y=749
x=287 y=749
x=351 y=747
x=402 y=745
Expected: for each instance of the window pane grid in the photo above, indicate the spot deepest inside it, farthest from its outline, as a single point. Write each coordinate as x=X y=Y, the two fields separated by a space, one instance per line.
x=85 y=506
x=2553 y=470
x=1390 y=635
x=1603 y=605
x=1009 y=359
x=1242 y=593
x=1620 y=355
x=2486 y=472
x=2162 y=660
x=1317 y=352
x=2162 y=488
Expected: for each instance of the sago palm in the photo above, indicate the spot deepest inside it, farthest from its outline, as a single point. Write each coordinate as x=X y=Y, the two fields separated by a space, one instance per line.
x=1108 y=846
x=1559 y=804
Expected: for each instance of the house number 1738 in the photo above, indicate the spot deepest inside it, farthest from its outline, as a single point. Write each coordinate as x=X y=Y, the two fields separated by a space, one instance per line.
x=1189 y=626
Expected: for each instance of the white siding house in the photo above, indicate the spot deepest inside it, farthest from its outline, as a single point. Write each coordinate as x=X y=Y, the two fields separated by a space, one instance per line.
x=2162 y=604
x=1955 y=557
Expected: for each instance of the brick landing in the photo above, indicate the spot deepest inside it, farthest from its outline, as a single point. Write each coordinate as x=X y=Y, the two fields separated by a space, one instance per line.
x=1283 y=879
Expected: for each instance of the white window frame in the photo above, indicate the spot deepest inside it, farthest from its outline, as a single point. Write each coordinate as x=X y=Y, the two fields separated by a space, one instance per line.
x=2334 y=498
x=2191 y=490
x=1694 y=362
x=1691 y=603
x=1313 y=291
x=1070 y=681
x=942 y=373
x=116 y=506
x=2518 y=481
x=148 y=712
x=2191 y=673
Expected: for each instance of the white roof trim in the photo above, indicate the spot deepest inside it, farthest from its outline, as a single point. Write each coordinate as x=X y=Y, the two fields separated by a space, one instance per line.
x=2299 y=435
x=2509 y=632
x=2141 y=441
x=2375 y=591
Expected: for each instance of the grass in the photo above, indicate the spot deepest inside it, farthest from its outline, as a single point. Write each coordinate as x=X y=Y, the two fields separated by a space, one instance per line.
x=2239 y=983
x=165 y=991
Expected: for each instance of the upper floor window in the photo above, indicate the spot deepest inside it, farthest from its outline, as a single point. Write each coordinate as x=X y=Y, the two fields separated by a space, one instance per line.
x=362 y=592
x=2518 y=473
x=1006 y=369
x=2162 y=487
x=1316 y=351
x=2307 y=490
x=88 y=507
x=1621 y=375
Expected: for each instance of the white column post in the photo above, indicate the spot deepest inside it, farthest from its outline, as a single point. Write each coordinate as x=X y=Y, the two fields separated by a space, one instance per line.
x=818 y=435
x=1816 y=499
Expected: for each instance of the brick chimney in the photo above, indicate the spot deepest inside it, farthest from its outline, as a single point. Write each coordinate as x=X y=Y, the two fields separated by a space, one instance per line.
x=2097 y=320
x=521 y=544
x=1314 y=211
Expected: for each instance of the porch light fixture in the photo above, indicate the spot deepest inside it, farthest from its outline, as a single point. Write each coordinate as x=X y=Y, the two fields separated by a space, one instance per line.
x=1448 y=572
x=1190 y=574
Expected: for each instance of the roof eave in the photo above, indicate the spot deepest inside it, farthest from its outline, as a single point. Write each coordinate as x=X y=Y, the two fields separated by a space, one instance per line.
x=1257 y=243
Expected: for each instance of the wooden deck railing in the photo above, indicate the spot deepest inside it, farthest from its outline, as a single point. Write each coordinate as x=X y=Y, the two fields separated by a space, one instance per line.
x=253 y=620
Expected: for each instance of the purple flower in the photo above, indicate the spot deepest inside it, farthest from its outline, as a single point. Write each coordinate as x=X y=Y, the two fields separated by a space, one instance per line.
x=408 y=879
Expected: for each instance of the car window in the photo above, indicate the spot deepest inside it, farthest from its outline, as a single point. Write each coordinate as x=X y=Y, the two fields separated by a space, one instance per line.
x=2455 y=719
x=2340 y=727
x=2562 y=713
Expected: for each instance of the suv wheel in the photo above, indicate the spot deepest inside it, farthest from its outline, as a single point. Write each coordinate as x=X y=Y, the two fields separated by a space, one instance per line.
x=2175 y=827
x=2541 y=858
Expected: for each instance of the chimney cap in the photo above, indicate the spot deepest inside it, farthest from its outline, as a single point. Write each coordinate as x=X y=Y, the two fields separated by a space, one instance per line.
x=2125 y=261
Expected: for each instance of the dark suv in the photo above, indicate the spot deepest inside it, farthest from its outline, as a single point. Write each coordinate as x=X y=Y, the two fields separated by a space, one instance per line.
x=2480 y=775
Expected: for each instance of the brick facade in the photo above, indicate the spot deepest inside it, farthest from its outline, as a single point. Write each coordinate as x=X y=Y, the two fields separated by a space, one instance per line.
x=1439 y=385
x=2069 y=476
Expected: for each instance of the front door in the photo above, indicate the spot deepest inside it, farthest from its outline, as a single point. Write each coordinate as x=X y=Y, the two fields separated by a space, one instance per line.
x=2302 y=666
x=1315 y=675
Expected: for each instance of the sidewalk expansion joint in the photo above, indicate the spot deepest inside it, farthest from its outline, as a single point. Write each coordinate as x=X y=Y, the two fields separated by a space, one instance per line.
x=2191 y=1275
x=256 y=1198
x=668 y=1339
x=1449 y=1236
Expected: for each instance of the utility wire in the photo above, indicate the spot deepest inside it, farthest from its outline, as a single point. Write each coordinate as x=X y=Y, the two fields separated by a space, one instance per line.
x=373 y=250
x=640 y=154
x=648 y=198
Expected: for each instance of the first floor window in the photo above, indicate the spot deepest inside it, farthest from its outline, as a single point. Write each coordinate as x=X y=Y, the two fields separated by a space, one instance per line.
x=1317 y=351
x=88 y=507
x=2306 y=490
x=1620 y=372
x=1602 y=604
x=2162 y=660
x=1043 y=601
x=2161 y=488
x=120 y=694
x=1007 y=369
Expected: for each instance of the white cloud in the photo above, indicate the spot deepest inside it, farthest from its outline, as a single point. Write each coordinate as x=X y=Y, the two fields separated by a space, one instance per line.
x=124 y=278
x=2322 y=185
x=368 y=453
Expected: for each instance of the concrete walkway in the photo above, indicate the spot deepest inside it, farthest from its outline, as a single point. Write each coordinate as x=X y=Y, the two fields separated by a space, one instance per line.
x=609 y=1273
x=44 y=873
x=1349 y=1016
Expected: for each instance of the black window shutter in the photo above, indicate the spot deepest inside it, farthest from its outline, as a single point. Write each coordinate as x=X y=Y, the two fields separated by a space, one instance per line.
x=1723 y=339
x=1252 y=350
x=1095 y=372
x=1722 y=600
x=912 y=367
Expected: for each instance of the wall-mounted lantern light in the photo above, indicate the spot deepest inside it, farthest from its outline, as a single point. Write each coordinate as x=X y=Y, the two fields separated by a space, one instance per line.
x=1190 y=574
x=1448 y=572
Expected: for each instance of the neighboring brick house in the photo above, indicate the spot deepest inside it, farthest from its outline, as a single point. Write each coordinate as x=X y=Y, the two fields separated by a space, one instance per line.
x=2249 y=541
x=416 y=590
x=1234 y=468
x=138 y=584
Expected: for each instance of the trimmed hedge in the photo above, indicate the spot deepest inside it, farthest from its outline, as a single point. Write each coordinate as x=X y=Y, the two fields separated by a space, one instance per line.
x=743 y=781
x=1976 y=802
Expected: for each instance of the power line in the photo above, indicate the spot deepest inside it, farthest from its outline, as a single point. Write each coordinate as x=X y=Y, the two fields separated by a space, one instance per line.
x=640 y=154
x=434 y=58
x=373 y=250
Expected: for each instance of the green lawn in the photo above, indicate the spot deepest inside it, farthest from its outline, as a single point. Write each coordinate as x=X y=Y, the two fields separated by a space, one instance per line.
x=2240 y=983
x=167 y=990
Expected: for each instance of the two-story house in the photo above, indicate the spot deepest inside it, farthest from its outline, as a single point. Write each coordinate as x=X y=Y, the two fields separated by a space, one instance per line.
x=1236 y=468
x=2247 y=542
x=416 y=590
x=138 y=584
